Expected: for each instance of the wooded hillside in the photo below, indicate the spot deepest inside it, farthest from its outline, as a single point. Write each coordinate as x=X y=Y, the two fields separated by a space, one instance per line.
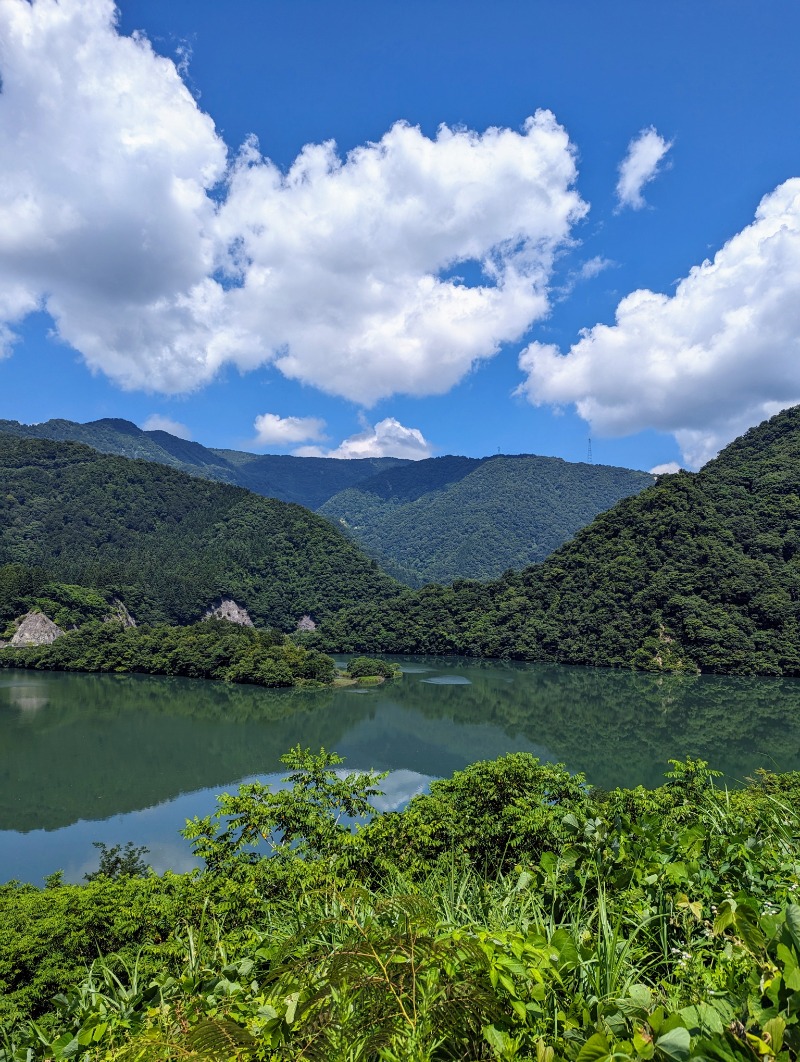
x=168 y=544
x=700 y=571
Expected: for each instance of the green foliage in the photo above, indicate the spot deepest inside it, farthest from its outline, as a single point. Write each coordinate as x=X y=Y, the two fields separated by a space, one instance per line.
x=700 y=572
x=69 y=606
x=457 y=517
x=119 y=862
x=314 y=818
x=436 y=519
x=366 y=667
x=213 y=649
x=655 y=925
x=168 y=545
x=492 y=814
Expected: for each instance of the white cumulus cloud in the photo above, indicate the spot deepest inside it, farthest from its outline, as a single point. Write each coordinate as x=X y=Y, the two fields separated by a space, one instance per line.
x=272 y=429
x=387 y=438
x=156 y=422
x=640 y=165
x=718 y=356
x=370 y=236
x=105 y=219
x=161 y=259
x=668 y=468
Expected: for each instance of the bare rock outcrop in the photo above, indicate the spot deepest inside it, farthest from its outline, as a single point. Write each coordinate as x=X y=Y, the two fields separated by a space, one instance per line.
x=227 y=609
x=119 y=614
x=35 y=629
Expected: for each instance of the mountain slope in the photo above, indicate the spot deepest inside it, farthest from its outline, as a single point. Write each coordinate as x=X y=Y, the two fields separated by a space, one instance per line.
x=699 y=572
x=437 y=519
x=454 y=517
x=308 y=481
x=169 y=544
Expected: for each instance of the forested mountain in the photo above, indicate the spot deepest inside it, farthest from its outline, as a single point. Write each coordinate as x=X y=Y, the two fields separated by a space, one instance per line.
x=168 y=544
x=438 y=519
x=308 y=481
x=450 y=517
x=699 y=572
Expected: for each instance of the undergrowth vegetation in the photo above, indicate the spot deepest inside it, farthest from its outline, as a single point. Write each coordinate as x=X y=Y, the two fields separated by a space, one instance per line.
x=509 y=913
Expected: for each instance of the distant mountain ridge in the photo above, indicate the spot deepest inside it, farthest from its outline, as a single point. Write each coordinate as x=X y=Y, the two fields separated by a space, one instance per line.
x=438 y=519
x=307 y=481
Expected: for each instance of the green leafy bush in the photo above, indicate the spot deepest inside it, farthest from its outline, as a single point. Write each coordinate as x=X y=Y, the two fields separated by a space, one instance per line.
x=549 y=922
x=366 y=667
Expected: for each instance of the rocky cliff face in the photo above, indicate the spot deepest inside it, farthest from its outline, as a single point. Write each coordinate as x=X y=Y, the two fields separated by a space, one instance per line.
x=119 y=614
x=36 y=629
x=227 y=609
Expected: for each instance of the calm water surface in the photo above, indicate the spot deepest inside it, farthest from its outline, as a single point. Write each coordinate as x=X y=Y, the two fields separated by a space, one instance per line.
x=115 y=758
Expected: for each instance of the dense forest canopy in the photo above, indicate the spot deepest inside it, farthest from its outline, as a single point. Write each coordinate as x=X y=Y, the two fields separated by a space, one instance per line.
x=699 y=572
x=168 y=545
x=432 y=520
x=213 y=649
x=453 y=517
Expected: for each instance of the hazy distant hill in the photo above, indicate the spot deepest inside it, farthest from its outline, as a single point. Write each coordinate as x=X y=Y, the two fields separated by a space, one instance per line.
x=437 y=519
x=700 y=571
x=170 y=544
x=454 y=517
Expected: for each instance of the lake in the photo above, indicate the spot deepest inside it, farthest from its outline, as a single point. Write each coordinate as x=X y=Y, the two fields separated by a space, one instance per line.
x=116 y=758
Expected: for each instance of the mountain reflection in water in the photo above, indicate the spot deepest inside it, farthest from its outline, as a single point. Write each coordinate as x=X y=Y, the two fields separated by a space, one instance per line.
x=117 y=758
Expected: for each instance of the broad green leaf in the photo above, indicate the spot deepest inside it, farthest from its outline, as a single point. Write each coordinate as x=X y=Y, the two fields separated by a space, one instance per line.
x=564 y=945
x=747 y=927
x=675 y=1044
x=793 y=924
x=773 y=1033
x=497 y=1039
x=291 y=1006
x=725 y=916
x=594 y=1050
x=524 y=881
x=643 y=1044
x=702 y=1018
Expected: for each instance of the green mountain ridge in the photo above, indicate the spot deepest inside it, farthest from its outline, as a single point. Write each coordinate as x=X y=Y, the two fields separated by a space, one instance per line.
x=432 y=520
x=167 y=544
x=700 y=572
x=307 y=481
x=476 y=517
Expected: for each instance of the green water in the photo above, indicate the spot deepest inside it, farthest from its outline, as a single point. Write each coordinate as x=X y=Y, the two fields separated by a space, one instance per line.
x=117 y=758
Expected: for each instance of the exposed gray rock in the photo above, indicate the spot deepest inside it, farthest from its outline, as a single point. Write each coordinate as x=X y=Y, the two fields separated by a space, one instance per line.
x=305 y=623
x=227 y=609
x=119 y=614
x=36 y=629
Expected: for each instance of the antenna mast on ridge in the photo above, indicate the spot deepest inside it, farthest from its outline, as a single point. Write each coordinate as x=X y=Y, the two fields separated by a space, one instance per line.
x=589 y=455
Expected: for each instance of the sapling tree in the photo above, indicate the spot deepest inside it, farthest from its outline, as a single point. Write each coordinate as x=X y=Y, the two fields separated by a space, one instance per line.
x=313 y=818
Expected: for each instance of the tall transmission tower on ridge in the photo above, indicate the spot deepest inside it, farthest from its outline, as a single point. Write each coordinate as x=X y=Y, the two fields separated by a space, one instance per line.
x=589 y=454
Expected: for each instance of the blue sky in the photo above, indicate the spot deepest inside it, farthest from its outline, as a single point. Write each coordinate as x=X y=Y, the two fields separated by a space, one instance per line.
x=148 y=274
